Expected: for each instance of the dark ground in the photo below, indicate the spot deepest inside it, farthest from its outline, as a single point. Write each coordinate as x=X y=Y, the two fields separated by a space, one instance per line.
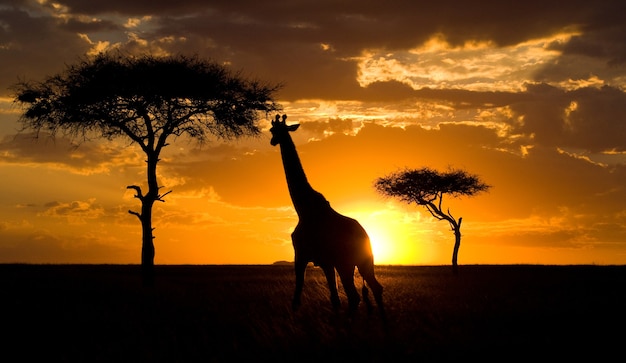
x=101 y=313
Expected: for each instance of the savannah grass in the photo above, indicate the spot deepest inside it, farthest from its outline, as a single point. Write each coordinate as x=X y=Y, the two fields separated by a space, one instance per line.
x=101 y=313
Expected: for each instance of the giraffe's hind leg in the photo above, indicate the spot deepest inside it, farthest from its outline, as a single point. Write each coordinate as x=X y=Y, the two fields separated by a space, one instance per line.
x=366 y=298
x=367 y=271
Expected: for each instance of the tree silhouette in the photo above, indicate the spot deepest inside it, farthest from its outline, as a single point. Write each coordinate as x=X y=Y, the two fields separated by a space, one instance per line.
x=147 y=99
x=427 y=187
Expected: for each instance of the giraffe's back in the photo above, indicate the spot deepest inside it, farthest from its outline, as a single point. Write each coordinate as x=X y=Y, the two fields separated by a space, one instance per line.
x=332 y=238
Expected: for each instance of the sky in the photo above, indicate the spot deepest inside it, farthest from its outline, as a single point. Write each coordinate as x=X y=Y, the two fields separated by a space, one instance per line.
x=528 y=95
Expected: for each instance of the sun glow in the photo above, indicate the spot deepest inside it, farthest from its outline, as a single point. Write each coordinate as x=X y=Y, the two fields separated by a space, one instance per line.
x=393 y=240
x=382 y=247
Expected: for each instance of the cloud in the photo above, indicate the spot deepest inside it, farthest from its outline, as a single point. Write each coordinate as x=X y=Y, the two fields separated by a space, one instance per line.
x=565 y=230
x=475 y=65
x=332 y=126
x=140 y=7
x=76 y=212
x=587 y=118
x=59 y=152
x=307 y=47
x=318 y=53
x=33 y=46
x=41 y=246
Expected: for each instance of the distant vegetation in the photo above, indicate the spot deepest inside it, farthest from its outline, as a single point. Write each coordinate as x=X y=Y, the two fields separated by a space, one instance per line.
x=243 y=313
x=283 y=263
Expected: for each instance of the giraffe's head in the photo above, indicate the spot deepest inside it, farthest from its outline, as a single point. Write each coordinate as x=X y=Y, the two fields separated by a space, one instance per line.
x=280 y=130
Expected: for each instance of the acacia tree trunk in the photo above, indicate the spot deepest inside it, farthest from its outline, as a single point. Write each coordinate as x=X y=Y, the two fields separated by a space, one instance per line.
x=147 y=202
x=457 y=244
x=435 y=211
x=147 y=244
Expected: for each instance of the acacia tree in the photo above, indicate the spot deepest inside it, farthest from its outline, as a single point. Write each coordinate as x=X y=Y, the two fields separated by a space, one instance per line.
x=427 y=187
x=146 y=99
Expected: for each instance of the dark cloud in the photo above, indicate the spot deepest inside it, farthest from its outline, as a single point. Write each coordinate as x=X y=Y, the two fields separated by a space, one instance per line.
x=32 y=47
x=461 y=99
x=282 y=40
x=74 y=209
x=587 y=118
x=86 y=158
x=51 y=204
x=133 y=8
x=604 y=35
x=394 y=24
x=334 y=125
x=30 y=147
x=387 y=91
x=90 y=26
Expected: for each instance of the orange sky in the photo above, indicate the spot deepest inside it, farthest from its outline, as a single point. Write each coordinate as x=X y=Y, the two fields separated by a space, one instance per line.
x=530 y=98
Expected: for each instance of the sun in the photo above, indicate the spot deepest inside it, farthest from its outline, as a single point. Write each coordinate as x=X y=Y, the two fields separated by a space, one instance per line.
x=382 y=247
x=394 y=240
x=390 y=241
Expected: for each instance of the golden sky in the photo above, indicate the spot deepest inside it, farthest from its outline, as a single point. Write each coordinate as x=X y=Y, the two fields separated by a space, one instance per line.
x=530 y=96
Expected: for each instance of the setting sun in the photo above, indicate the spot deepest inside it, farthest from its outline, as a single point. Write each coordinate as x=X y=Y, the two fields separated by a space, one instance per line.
x=382 y=247
x=393 y=243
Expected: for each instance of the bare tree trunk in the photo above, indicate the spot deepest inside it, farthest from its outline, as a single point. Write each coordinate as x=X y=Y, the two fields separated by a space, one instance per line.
x=457 y=245
x=147 y=202
x=147 y=244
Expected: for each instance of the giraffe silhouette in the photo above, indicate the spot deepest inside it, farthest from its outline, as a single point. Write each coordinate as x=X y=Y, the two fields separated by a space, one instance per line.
x=323 y=236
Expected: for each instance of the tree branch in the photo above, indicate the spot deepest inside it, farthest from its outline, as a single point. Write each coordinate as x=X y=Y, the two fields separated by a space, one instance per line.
x=440 y=195
x=136 y=138
x=450 y=214
x=135 y=214
x=436 y=213
x=160 y=197
x=137 y=189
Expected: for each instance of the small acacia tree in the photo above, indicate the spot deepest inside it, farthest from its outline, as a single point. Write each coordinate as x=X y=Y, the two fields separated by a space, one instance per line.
x=427 y=187
x=146 y=99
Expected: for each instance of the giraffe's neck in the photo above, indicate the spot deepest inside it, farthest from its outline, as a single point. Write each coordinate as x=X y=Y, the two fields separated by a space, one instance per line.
x=305 y=199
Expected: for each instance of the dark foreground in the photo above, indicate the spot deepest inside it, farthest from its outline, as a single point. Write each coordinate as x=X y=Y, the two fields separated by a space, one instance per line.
x=79 y=313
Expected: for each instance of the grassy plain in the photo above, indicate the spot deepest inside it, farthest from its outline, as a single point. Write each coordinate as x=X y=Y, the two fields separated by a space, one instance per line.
x=101 y=313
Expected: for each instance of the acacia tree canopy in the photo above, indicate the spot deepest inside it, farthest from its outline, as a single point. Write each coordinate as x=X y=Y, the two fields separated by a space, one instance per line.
x=110 y=96
x=425 y=185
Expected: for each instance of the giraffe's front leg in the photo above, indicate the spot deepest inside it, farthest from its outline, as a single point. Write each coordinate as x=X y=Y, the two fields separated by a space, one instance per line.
x=346 y=273
x=300 y=267
x=329 y=271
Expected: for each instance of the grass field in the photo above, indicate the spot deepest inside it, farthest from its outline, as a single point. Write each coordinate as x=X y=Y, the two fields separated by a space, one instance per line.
x=100 y=313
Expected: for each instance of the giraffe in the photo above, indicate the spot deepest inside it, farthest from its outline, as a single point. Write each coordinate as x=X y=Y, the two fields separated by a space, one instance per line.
x=323 y=236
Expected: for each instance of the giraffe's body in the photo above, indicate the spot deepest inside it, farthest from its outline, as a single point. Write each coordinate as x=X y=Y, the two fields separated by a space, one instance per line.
x=323 y=236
